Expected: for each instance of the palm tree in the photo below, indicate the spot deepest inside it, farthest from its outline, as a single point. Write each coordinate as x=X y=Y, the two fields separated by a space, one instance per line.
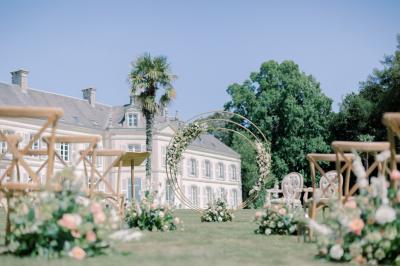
x=151 y=81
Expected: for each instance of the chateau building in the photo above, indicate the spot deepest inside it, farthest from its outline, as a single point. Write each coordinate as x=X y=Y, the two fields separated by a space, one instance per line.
x=209 y=169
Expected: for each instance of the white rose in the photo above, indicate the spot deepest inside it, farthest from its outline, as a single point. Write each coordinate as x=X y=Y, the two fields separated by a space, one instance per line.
x=267 y=231
x=336 y=252
x=161 y=214
x=385 y=214
x=219 y=219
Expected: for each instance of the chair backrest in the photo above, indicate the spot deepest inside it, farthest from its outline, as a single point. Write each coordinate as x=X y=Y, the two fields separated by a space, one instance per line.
x=329 y=184
x=290 y=184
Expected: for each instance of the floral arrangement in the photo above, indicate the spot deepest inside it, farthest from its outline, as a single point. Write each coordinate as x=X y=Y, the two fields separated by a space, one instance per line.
x=264 y=166
x=148 y=215
x=217 y=212
x=180 y=142
x=63 y=223
x=184 y=137
x=366 y=229
x=276 y=220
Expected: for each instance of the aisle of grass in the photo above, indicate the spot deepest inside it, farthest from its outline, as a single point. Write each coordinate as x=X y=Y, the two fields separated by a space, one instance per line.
x=199 y=244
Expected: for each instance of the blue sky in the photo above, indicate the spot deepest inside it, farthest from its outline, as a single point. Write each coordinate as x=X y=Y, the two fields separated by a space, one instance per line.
x=70 y=45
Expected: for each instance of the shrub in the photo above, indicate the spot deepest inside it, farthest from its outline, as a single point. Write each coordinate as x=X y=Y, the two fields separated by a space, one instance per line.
x=54 y=224
x=217 y=212
x=276 y=219
x=148 y=215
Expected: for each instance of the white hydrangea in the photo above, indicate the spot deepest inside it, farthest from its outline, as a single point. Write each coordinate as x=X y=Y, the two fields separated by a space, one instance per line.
x=336 y=252
x=385 y=214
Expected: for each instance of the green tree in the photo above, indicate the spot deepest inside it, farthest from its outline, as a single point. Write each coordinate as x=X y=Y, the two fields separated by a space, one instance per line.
x=151 y=80
x=361 y=113
x=291 y=110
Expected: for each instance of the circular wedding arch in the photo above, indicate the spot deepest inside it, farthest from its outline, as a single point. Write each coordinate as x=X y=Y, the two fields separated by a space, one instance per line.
x=218 y=121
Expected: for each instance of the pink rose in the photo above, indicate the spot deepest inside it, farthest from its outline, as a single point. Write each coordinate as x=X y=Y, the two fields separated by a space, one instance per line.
x=70 y=221
x=282 y=211
x=77 y=253
x=91 y=236
x=258 y=214
x=153 y=206
x=75 y=233
x=356 y=226
x=99 y=217
x=395 y=175
x=96 y=208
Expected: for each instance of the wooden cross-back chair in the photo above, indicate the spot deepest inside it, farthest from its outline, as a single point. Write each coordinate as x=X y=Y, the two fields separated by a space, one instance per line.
x=392 y=123
x=340 y=147
x=330 y=185
x=113 y=193
x=50 y=117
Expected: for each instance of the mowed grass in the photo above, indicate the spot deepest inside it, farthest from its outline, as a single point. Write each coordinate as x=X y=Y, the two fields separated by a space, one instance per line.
x=199 y=243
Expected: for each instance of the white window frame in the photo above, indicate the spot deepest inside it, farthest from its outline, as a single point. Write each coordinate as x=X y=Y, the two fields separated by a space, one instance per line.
x=133 y=147
x=207 y=169
x=233 y=172
x=132 y=119
x=194 y=197
x=209 y=195
x=3 y=147
x=64 y=150
x=193 y=167
x=235 y=198
x=163 y=156
x=221 y=170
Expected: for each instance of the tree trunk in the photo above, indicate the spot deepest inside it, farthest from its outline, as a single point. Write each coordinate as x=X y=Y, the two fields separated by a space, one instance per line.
x=149 y=148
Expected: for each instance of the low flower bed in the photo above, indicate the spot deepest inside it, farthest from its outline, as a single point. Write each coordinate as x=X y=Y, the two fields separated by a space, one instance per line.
x=217 y=212
x=148 y=215
x=276 y=220
x=366 y=229
x=55 y=224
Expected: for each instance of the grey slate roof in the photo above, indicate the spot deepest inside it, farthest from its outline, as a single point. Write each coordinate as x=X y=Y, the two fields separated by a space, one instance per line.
x=79 y=112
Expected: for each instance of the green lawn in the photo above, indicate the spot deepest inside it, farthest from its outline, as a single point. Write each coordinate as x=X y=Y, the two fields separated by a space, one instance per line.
x=203 y=244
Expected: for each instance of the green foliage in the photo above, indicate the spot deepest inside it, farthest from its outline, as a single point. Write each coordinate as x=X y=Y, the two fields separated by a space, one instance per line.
x=361 y=113
x=54 y=224
x=151 y=83
x=291 y=110
x=148 y=215
x=276 y=220
x=217 y=212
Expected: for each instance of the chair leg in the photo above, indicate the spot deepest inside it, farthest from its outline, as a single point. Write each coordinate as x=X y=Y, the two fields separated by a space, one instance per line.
x=8 y=222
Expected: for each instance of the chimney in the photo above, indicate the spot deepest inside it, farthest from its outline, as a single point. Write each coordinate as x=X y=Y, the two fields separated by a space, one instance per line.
x=89 y=94
x=20 y=78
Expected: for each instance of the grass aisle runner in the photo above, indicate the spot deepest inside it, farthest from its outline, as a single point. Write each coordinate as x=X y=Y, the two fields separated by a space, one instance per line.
x=206 y=244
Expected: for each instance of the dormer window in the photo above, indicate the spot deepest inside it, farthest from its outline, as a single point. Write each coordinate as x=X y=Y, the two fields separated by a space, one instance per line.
x=132 y=119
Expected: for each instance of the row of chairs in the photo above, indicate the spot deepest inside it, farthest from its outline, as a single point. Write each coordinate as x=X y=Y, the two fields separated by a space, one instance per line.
x=11 y=183
x=338 y=183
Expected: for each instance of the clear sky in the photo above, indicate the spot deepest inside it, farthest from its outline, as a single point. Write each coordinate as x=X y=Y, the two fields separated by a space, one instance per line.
x=70 y=45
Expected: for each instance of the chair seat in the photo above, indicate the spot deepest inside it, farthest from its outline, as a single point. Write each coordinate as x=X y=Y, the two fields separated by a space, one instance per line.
x=284 y=201
x=324 y=201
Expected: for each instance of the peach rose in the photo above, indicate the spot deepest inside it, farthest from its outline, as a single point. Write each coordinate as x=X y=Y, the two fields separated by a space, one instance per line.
x=356 y=226
x=91 y=236
x=99 y=217
x=282 y=211
x=77 y=253
x=70 y=221
x=153 y=206
x=360 y=260
x=75 y=233
x=395 y=175
x=96 y=208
